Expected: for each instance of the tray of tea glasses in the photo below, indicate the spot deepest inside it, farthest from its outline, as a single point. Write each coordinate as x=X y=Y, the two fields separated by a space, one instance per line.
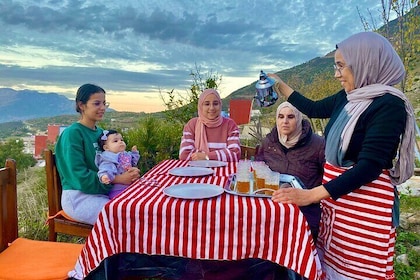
x=286 y=181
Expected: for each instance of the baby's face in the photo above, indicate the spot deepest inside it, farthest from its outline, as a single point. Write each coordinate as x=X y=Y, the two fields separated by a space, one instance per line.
x=115 y=143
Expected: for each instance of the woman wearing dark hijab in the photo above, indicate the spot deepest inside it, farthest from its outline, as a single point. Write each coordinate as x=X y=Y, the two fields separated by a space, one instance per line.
x=369 y=150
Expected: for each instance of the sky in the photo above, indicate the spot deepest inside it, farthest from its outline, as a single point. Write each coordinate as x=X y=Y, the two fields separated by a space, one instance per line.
x=138 y=49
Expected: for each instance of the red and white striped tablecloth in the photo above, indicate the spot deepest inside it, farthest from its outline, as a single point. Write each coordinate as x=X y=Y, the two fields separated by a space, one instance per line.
x=227 y=227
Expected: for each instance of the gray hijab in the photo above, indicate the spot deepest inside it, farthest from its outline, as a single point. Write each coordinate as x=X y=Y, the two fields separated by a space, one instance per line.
x=376 y=68
x=289 y=140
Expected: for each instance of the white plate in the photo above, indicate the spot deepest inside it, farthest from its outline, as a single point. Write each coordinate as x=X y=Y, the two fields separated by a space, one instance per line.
x=193 y=191
x=207 y=163
x=191 y=171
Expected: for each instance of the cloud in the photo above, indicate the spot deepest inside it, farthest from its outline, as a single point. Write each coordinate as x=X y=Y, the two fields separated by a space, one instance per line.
x=119 y=80
x=142 y=46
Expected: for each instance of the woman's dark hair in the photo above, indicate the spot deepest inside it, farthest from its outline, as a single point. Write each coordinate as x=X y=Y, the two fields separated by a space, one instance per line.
x=104 y=136
x=84 y=92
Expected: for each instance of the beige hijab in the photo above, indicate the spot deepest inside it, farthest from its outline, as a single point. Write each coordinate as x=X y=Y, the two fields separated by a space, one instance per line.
x=289 y=140
x=203 y=122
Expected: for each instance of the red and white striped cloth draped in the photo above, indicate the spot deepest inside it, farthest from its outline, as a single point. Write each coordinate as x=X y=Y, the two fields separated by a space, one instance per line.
x=356 y=239
x=227 y=227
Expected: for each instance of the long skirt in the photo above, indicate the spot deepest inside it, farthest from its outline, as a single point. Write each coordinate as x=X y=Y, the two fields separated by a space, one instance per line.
x=357 y=238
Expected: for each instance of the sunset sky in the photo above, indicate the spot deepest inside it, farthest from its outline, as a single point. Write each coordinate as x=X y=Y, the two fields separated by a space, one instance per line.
x=135 y=49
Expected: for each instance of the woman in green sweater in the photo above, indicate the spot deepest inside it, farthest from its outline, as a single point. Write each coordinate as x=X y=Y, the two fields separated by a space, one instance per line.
x=371 y=122
x=83 y=195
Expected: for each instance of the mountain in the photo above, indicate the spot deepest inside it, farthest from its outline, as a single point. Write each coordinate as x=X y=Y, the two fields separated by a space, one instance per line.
x=30 y=104
x=320 y=69
x=19 y=106
x=304 y=74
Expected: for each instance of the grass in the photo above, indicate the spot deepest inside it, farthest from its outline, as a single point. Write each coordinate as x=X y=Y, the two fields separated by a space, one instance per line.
x=33 y=207
x=409 y=203
x=32 y=204
x=407 y=241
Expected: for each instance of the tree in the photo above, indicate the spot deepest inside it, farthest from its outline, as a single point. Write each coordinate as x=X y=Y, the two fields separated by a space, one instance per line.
x=405 y=36
x=13 y=148
x=180 y=108
x=156 y=140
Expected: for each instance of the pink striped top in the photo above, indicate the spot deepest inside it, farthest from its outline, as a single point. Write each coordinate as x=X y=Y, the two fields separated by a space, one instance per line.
x=223 y=141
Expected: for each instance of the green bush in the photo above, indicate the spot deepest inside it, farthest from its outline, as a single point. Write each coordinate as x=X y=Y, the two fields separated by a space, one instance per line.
x=404 y=245
x=156 y=139
x=13 y=148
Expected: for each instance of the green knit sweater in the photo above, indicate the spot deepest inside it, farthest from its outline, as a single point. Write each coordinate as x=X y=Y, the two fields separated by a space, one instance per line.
x=75 y=158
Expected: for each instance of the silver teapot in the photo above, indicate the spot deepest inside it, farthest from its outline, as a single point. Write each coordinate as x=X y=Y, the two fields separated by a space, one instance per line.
x=265 y=94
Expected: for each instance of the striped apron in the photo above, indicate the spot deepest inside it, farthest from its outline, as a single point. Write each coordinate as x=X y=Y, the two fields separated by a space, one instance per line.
x=356 y=239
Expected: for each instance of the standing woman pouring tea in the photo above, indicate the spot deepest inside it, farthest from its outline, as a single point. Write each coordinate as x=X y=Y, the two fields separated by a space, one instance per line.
x=369 y=150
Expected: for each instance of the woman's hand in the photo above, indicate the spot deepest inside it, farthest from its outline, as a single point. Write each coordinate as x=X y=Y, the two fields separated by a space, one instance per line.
x=275 y=77
x=199 y=156
x=300 y=197
x=280 y=86
x=127 y=177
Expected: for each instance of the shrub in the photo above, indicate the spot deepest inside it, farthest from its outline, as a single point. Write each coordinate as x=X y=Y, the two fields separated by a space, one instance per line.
x=156 y=140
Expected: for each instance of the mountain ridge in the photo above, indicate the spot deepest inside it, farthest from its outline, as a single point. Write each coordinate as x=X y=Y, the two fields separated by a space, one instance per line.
x=25 y=105
x=21 y=105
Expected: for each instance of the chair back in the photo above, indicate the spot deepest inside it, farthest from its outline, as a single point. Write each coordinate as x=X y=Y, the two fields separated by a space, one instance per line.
x=240 y=110
x=8 y=204
x=54 y=188
x=247 y=152
x=58 y=221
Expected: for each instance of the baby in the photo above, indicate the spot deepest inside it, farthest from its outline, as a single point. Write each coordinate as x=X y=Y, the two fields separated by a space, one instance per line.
x=114 y=160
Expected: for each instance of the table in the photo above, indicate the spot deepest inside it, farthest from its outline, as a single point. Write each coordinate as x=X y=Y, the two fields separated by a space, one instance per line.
x=227 y=227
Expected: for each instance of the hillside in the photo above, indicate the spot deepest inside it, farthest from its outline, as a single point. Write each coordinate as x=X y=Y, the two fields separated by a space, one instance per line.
x=39 y=125
x=29 y=104
x=301 y=77
x=303 y=74
x=29 y=112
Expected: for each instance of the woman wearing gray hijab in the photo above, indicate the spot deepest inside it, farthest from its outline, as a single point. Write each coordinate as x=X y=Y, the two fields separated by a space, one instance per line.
x=369 y=150
x=292 y=148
